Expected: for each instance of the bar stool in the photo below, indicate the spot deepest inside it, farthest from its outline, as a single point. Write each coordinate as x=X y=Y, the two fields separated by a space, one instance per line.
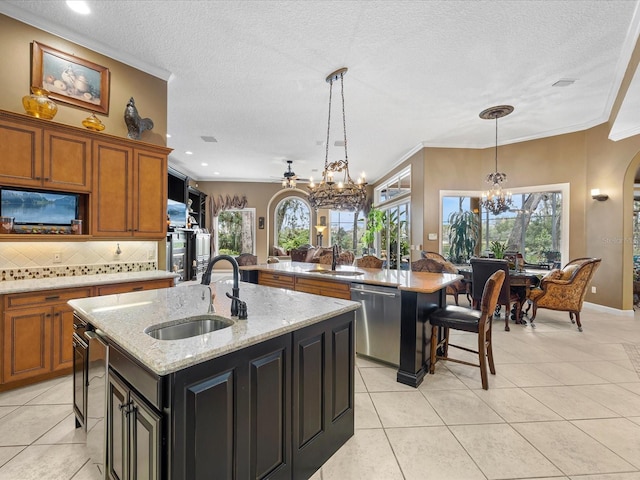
x=459 y=318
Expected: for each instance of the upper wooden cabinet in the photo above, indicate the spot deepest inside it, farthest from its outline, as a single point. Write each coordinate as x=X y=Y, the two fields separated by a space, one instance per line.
x=129 y=191
x=36 y=157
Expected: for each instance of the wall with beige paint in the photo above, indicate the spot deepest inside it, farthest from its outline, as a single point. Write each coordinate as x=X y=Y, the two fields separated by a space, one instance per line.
x=149 y=92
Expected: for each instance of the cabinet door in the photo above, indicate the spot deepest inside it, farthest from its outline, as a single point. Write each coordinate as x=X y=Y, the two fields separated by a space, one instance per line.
x=62 y=333
x=67 y=162
x=27 y=343
x=145 y=441
x=117 y=429
x=21 y=154
x=112 y=190
x=149 y=195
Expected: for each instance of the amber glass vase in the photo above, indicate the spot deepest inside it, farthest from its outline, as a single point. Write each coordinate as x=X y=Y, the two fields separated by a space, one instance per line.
x=39 y=105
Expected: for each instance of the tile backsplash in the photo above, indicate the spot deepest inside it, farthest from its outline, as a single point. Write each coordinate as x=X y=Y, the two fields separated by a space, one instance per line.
x=20 y=260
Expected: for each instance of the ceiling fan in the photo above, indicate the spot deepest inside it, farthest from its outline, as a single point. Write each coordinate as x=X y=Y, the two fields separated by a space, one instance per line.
x=289 y=177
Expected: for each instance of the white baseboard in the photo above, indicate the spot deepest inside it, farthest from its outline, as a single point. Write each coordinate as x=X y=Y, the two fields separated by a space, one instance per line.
x=609 y=310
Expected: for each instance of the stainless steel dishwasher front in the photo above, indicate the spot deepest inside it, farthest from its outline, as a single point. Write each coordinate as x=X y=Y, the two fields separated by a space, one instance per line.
x=377 y=322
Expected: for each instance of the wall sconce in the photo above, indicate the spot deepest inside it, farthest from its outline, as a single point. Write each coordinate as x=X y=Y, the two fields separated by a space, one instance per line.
x=596 y=195
x=320 y=229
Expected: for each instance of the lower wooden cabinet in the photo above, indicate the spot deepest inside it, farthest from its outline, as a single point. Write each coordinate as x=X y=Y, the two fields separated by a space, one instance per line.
x=36 y=330
x=317 y=286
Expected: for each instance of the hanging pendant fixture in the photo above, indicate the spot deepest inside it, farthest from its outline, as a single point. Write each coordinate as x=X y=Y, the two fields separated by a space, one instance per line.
x=496 y=200
x=289 y=180
x=336 y=190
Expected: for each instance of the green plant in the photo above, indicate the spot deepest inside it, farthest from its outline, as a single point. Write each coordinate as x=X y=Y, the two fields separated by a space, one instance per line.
x=375 y=223
x=498 y=248
x=464 y=231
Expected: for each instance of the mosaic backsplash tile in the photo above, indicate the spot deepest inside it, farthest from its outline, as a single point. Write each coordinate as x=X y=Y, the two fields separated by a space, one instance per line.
x=24 y=260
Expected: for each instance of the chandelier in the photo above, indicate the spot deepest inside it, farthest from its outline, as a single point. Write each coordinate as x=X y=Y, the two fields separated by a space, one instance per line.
x=336 y=190
x=289 y=180
x=496 y=200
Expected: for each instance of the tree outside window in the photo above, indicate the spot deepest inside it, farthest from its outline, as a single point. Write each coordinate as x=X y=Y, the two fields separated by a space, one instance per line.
x=292 y=223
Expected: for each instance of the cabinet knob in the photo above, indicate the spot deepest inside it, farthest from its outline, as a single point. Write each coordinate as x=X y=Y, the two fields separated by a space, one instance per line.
x=48 y=315
x=124 y=407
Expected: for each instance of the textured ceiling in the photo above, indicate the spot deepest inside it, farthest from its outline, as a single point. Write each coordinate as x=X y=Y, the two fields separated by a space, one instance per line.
x=252 y=73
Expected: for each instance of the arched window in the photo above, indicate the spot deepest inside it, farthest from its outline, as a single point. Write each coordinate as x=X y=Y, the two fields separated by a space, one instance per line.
x=292 y=223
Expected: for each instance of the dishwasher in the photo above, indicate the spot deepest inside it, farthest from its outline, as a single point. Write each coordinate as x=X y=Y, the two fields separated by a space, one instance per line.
x=377 y=322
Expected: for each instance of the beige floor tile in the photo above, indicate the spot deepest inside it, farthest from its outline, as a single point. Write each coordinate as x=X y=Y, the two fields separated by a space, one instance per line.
x=7 y=453
x=502 y=453
x=570 y=449
x=618 y=399
x=90 y=471
x=358 y=383
x=28 y=423
x=365 y=362
x=365 y=412
x=570 y=403
x=6 y=410
x=442 y=379
x=367 y=455
x=619 y=434
x=64 y=432
x=569 y=373
x=62 y=393
x=470 y=376
x=635 y=420
x=383 y=380
x=515 y=405
x=611 y=371
x=609 y=476
x=527 y=375
x=51 y=462
x=431 y=449
x=21 y=396
x=459 y=407
x=404 y=409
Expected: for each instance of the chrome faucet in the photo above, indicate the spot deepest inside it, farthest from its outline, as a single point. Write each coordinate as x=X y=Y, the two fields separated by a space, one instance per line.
x=334 y=256
x=238 y=307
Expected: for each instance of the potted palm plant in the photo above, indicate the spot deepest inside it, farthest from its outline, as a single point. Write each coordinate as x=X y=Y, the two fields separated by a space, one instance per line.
x=464 y=231
x=375 y=223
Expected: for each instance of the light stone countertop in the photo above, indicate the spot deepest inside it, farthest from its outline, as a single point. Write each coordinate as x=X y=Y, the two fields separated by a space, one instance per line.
x=35 y=284
x=123 y=318
x=424 y=282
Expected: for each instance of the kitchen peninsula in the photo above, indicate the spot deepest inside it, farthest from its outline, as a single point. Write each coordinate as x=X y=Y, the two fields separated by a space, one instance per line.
x=419 y=291
x=267 y=397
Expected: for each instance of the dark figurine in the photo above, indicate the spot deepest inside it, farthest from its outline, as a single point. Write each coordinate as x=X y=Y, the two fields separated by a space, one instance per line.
x=135 y=124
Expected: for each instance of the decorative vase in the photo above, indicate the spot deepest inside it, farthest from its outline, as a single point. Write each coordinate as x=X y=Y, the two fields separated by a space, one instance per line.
x=93 y=123
x=39 y=105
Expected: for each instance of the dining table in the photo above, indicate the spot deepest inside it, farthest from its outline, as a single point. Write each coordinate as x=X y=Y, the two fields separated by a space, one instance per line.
x=520 y=282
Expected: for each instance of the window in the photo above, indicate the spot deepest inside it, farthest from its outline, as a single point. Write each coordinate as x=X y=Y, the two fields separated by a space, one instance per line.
x=394 y=237
x=395 y=187
x=534 y=225
x=347 y=229
x=292 y=223
x=236 y=231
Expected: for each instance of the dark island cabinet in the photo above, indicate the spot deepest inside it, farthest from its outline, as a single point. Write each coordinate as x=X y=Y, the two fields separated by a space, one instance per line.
x=275 y=410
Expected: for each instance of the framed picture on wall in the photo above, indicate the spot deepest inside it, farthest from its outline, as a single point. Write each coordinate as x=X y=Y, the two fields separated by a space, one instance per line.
x=70 y=79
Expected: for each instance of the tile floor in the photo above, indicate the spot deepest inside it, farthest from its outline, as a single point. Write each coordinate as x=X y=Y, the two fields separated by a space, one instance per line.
x=563 y=405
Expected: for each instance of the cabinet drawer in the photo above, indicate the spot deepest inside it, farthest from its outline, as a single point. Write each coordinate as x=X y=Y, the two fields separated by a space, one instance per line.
x=46 y=297
x=134 y=286
x=276 y=280
x=323 y=287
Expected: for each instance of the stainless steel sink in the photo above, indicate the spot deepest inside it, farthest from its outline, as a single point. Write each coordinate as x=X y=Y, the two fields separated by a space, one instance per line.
x=189 y=327
x=346 y=273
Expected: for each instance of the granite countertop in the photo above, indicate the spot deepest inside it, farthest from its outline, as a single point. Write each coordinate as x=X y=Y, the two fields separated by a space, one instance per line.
x=35 y=284
x=424 y=282
x=123 y=318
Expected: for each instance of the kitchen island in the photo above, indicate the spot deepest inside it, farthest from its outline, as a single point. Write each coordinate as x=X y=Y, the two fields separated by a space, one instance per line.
x=267 y=397
x=419 y=293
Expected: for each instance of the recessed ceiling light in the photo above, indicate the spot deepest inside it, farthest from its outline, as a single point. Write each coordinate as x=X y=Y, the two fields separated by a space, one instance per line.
x=564 y=82
x=216 y=173
x=204 y=164
x=189 y=152
x=168 y=135
x=79 y=6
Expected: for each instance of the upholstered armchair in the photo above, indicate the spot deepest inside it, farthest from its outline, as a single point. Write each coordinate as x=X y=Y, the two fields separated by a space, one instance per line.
x=565 y=289
x=303 y=253
x=344 y=258
x=455 y=289
x=246 y=259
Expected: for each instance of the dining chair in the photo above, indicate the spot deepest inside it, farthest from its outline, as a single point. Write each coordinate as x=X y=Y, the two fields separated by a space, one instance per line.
x=369 y=261
x=246 y=259
x=482 y=269
x=456 y=288
x=466 y=320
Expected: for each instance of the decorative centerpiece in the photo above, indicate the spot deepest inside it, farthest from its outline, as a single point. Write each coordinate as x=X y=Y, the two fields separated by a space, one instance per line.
x=39 y=105
x=93 y=123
